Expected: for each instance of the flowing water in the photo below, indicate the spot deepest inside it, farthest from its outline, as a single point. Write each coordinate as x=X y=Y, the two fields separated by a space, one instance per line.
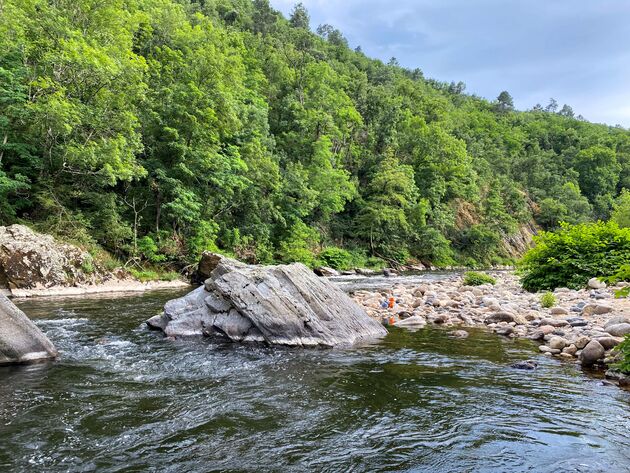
x=124 y=399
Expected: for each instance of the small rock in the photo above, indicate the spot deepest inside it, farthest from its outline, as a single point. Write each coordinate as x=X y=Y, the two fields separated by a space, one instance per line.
x=459 y=334
x=559 y=311
x=596 y=309
x=595 y=283
x=525 y=365
x=546 y=349
x=592 y=353
x=609 y=342
x=557 y=343
x=326 y=271
x=554 y=322
x=505 y=317
x=581 y=342
x=577 y=322
x=618 y=319
x=570 y=350
x=618 y=330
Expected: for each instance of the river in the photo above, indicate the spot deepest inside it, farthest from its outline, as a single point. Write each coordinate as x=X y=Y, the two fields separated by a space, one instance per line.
x=124 y=399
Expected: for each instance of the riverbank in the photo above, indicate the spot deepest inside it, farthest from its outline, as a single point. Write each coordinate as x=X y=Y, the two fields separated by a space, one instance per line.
x=584 y=326
x=112 y=286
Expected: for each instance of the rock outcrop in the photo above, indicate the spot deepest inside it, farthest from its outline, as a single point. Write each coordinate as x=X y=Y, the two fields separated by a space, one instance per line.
x=31 y=260
x=20 y=339
x=277 y=305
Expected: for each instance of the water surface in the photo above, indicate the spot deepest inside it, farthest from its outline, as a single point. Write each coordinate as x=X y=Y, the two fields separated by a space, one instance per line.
x=124 y=399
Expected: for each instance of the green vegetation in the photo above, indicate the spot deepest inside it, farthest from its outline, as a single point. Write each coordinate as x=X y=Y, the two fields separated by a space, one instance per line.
x=153 y=275
x=575 y=253
x=623 y=349
x=548 y=300
x=472 y=278
x=156 y=129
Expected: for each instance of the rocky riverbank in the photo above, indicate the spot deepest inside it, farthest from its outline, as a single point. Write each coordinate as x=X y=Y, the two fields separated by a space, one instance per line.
x=34 y=264
x=584 y=326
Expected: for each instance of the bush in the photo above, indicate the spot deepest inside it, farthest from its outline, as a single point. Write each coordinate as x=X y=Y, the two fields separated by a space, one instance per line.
x=336 y=258
x=548 y=300
x=622 y=274
x=574 y=254
x=624 y=350
x=472 y=278
x=299 y=245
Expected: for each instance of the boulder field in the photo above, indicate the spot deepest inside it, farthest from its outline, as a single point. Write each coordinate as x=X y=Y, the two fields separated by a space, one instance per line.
x=276 y=305
x=584 y=325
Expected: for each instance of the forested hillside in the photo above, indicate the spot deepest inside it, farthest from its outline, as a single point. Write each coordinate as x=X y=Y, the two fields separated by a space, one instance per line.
x=159 y=128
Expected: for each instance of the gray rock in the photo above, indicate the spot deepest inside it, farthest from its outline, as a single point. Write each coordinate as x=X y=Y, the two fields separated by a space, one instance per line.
x=277 y=305
x=546 y=349
x=595 y=283
x=618 y=330
x=31 y=260
x=609 y=342
x=557 y=343
x=577 y=322
x=618 y=319
x=326 y=271
x=525 y=365
x=592 y=353
x=21 y=341
x=581 y=342
x=459 y=334
x=558 y=311
x=505 y=317
x=554 y=322
x=596 y=309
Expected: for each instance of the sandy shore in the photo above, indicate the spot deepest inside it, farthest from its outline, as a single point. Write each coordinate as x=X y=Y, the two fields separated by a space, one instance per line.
x=126 y=285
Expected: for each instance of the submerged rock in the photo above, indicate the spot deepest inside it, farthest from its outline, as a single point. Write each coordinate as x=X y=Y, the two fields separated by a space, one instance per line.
x=21 y=341
x=277 y=305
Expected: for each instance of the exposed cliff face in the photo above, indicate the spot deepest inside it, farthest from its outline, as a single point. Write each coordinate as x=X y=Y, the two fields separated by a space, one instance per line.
x=21 y=341
x=277 y=305
x=31 y=260
x=516 y=244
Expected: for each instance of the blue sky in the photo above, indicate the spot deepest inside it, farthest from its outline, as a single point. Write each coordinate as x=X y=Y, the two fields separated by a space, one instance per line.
x=576 y=51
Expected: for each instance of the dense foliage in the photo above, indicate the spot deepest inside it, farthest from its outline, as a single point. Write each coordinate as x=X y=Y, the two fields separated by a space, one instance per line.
x=572 y=255
x=160 y=128
x=473 y=278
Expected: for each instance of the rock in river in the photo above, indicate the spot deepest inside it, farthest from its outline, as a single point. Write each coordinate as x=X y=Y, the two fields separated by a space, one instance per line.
x=21 y=341
x=277 y=305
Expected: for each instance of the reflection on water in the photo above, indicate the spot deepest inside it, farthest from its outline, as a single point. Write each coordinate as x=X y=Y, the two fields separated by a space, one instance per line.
x=123 y=398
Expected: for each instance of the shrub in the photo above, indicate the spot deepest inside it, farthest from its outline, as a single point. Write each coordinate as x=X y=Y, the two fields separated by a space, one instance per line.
x=472 y=278
x=548 y=300
x=299 y=244
x=573 y=254
x=149 y=250
x=336 y=258
x=622 y=274
x=624 y=350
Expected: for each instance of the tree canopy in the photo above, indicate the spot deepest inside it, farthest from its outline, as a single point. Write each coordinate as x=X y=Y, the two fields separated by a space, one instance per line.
x=160 y=128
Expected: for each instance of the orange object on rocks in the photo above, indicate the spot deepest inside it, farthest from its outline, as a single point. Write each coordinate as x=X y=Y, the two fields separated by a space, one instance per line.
x=392 y=301
x=392 y=321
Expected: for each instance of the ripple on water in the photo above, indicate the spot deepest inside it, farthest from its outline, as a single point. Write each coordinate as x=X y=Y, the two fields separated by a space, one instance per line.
x=123 y=398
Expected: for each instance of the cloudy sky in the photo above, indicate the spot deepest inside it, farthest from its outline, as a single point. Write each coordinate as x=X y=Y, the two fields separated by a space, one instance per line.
x=576 y=51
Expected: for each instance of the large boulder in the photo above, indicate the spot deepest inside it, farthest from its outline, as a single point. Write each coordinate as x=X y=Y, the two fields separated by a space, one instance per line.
x=21 y=341
x=276 y=305
x=31 y=260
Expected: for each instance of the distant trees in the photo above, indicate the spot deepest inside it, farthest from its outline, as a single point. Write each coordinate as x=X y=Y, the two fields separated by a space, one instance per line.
x=159 y=129
x=505 y=103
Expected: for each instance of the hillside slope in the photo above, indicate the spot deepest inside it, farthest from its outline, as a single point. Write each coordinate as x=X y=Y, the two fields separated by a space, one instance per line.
x=157 y=129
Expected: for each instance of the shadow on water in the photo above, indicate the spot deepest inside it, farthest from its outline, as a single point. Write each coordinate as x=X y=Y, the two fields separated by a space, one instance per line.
x=123 y=398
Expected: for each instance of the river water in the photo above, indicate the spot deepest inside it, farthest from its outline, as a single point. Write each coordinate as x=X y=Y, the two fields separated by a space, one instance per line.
x=124 y=399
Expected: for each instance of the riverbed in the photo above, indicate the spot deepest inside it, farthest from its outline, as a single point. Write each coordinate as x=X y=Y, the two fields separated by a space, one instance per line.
x=123 y=398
